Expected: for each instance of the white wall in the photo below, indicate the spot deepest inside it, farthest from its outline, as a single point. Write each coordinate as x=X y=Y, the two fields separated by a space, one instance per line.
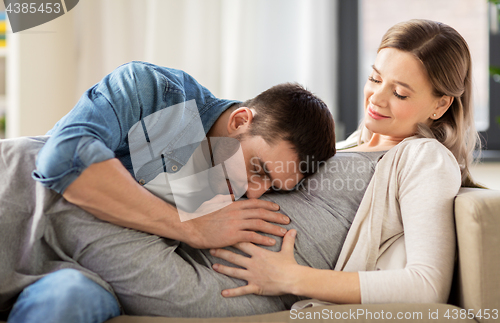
x=487 y=174
x=41 y=76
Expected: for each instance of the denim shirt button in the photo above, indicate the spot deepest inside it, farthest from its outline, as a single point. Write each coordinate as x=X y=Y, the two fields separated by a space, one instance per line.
x=174 y=168
x=142 y=182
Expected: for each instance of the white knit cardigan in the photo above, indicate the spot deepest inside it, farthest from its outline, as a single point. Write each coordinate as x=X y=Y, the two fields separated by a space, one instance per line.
x=402 y=240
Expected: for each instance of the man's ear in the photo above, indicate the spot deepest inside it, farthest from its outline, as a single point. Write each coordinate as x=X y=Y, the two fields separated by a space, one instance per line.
x=442 y=106
x=239 y=121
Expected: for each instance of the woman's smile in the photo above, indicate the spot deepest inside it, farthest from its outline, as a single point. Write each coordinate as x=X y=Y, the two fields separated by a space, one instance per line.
x=375 y=115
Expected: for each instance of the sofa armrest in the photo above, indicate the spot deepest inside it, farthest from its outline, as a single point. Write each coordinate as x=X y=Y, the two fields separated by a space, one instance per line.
x=477 y=219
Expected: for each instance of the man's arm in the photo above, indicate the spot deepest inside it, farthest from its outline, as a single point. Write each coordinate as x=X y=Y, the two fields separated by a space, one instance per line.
x=108 y=191
x=78 y=162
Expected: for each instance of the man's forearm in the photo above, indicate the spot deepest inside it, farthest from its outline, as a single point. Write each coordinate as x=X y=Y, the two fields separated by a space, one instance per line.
x=107 y=190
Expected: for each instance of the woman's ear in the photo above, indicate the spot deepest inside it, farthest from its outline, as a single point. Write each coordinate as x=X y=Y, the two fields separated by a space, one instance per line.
x=239 y=121
x=442 y=106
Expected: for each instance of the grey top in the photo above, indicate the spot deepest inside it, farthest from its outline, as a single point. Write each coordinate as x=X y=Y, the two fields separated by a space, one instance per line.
x=323 y=206
x=40 y=232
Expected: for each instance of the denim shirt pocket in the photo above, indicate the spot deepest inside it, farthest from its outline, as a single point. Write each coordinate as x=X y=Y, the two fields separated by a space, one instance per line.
x=163 y=134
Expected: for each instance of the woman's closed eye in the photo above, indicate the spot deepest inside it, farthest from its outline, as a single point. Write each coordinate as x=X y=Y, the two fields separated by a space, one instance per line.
x=401 y=97
x=396 y=94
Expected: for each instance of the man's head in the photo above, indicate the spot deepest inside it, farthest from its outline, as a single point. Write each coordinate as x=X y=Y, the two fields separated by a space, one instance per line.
x=284 y=132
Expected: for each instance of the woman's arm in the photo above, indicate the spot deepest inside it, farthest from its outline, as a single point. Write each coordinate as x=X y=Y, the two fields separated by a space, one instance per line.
x=428 y=184
x=277 y=273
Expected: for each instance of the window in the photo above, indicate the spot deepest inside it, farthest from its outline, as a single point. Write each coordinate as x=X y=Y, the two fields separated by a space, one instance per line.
x=372 y=18
x=491 y=136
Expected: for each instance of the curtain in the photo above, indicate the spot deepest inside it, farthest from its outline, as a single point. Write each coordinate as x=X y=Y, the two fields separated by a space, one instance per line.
x=236 y=48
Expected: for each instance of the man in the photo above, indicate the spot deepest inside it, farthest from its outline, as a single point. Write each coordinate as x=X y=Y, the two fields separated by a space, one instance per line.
x=88 y=160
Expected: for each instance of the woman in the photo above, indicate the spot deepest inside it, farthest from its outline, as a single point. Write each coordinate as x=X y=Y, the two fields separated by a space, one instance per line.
x=420 y=87
x=404 y=96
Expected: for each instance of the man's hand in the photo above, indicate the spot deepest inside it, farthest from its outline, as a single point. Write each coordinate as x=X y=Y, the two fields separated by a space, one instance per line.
x=237 y=222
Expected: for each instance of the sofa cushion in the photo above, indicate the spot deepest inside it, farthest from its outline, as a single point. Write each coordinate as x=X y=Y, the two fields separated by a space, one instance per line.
x=375 y=313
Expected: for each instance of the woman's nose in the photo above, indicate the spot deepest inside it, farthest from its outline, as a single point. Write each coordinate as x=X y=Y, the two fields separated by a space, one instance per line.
x=379 y=96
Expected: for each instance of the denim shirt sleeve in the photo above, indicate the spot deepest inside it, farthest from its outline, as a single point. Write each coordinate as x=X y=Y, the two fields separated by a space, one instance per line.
x=98 y=125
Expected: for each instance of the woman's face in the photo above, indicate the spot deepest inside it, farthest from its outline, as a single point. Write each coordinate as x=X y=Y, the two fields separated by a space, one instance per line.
x=398 y=95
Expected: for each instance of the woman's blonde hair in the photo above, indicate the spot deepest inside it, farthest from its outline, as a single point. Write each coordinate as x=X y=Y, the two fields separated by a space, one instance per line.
x=446 y=58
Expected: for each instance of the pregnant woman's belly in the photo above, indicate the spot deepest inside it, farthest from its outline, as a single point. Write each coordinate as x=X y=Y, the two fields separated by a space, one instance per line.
x=322 y=209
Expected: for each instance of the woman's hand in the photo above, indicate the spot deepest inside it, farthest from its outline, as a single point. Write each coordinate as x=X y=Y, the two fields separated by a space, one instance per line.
x=267 y=272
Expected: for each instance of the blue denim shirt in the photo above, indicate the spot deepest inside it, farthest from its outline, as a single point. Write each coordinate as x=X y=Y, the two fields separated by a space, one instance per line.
x=97 y=128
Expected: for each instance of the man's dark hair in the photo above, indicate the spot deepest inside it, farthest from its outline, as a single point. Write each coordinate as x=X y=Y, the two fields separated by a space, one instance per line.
x=290 y=112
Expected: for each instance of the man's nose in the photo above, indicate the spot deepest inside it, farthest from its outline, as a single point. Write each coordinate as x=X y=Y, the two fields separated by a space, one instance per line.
x=256 y=190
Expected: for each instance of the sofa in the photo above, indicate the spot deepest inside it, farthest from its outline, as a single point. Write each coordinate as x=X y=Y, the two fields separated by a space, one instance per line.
x=475 y=294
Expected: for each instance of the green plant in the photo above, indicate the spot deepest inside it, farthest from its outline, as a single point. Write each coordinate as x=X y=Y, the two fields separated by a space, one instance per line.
x=2 y=123
x=495 y=72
